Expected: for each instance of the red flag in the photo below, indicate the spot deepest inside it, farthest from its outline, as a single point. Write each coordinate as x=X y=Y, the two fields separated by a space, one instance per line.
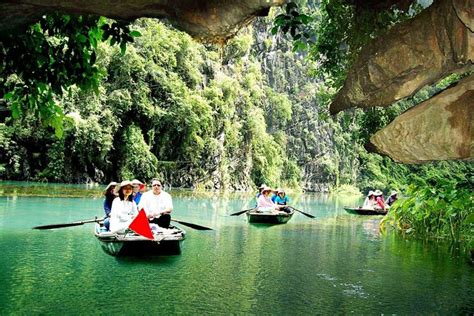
x=141 y=226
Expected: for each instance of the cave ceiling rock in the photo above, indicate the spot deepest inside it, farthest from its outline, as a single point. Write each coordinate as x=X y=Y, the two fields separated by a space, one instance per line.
x=418 y=52
x=411 y=55
x=440 y=127
x=206 y=20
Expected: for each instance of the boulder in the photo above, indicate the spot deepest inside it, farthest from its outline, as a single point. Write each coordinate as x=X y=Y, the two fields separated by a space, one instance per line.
x=440 y=128
x=411 y=55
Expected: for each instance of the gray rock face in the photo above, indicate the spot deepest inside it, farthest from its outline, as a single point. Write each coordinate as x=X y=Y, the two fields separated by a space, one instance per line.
x=440 y=127
x=207 y=20
x=308 y=139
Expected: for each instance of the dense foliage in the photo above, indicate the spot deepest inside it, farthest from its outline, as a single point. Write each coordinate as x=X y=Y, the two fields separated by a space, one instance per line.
x=165 y=108
x=44 y=60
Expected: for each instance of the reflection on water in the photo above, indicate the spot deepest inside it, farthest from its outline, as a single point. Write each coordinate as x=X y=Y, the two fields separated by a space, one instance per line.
x=372 y=227
x=337 y=263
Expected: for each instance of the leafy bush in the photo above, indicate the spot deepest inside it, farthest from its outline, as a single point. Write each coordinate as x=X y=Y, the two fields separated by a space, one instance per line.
x=47 y=58
x=439 y=203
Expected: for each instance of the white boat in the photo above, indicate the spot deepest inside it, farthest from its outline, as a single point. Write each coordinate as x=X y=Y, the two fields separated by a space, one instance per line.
x=166 y=242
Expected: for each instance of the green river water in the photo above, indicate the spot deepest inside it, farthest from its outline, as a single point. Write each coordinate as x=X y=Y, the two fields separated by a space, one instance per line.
x=335 y=264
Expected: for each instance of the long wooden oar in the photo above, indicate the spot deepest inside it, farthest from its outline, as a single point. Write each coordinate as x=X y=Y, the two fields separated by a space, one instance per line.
x=52 y=226
x=195 y=226
x=309 y=215
x=241 y=212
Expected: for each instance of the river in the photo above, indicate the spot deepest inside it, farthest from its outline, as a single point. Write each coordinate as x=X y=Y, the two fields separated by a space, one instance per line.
x=335 y=264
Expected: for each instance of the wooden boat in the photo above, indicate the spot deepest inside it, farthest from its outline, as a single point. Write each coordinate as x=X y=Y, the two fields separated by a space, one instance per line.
x=167 y=242
x=364 y=211
x=255 y=216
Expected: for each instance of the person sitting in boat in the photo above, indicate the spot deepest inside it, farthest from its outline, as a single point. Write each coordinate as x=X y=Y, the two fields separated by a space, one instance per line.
x=282 y=199
x=157 y=204
x=392 y=198
x=124 y=208
x=274 y=195
x=260 y=188
x=379 y=200
x=264 y=202
x=370 y=202
x=110 y=195
x=142 y=189
x=136 y=190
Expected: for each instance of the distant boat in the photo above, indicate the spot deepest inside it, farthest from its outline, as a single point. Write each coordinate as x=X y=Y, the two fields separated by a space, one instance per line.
x=269 y=218
x=364 y=211
x=167 y=242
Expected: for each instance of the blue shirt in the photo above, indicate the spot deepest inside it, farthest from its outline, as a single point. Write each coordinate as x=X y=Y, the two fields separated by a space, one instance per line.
x=274 y=198
x=107 y=207
x=137 y=197
x=282 y=201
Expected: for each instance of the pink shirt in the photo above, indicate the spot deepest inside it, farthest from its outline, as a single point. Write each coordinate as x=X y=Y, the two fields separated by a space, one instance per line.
x=264 y=202
x=380 y=202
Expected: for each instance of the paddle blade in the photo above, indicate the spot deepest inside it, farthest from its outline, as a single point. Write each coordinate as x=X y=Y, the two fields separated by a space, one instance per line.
x=195 y=226
x=76 y=223
x=309 y=215
x=52 y=226
x=240 y=212
x=306 y=214
x=141 y=226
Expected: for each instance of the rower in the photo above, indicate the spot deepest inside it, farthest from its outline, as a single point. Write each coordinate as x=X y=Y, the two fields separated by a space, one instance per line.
x=260 y=188
x=392 y=198
x=282 y=199
x=110 y=195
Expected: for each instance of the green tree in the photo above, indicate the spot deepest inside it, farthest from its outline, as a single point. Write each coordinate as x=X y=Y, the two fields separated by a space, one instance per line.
x=42 y=61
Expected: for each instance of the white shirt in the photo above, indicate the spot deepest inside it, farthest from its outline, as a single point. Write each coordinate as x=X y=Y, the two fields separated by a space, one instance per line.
x=121 y=214
x=368 y=203
x=155 y=204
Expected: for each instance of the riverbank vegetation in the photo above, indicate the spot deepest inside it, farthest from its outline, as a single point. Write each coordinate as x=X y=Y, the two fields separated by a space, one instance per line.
x=438 y=204
x=166 y=107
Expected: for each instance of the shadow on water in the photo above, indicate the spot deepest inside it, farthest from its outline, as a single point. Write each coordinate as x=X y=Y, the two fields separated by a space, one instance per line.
x=162 y=260
x=265 y=225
